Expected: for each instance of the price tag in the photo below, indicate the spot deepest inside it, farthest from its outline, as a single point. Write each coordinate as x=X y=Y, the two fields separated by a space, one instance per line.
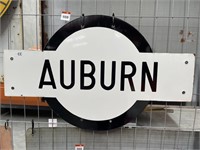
x=65 y=15
x=79 y=147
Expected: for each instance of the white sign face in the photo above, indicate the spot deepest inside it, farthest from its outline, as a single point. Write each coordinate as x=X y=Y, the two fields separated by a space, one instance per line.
x=102 y=74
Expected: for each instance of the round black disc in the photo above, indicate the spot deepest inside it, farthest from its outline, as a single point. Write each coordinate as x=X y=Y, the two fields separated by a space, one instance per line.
x=97 y=21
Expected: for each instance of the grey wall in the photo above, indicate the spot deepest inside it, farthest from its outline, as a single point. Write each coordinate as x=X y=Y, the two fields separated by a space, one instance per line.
x=163 y=22
x=168 y=25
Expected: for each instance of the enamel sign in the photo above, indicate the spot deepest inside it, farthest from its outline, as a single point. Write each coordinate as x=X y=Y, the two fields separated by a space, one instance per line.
x=98 y=74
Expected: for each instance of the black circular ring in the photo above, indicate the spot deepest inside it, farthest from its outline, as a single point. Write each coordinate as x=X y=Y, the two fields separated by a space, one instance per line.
x=98 y=21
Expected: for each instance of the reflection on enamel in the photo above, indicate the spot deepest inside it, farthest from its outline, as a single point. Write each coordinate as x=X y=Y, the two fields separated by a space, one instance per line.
x=76 y=39
x=80 y=44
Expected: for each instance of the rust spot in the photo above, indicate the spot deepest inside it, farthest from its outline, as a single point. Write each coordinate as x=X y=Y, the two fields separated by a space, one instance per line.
x=35 y=47
x=44 y=34
x=182 y=40
x=181 y=32
x=190 y=34
x=44 y=6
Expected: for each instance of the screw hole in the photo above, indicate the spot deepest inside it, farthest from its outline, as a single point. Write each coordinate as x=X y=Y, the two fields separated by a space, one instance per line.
x=186 y=62
x=11 y=58
x=183 y=92
x=12 y=88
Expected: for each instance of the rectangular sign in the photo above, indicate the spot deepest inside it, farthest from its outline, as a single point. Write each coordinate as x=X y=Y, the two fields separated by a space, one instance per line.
x=152 y=76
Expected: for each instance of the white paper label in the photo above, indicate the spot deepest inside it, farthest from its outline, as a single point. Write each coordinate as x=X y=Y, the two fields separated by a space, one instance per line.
x=65 y=16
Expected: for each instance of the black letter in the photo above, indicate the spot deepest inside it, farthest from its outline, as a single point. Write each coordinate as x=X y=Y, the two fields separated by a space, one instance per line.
x=152 y=82
x=90 y=75
x=47 y=67
x=62 y=74
x=112 y=76
x=129 y=76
